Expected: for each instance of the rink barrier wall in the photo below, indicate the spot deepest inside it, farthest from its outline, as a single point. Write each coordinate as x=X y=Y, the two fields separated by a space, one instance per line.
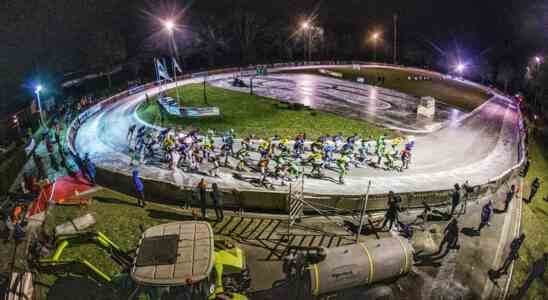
x=273 y=201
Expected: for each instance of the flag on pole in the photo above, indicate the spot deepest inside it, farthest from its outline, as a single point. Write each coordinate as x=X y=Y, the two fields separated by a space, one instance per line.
x=162 y=70
x=176 y=65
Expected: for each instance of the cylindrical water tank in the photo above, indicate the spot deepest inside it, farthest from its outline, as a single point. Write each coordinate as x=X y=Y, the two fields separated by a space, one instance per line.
x=360 y=264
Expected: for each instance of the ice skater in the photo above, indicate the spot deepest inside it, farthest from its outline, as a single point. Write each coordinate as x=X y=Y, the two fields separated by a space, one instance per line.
x=214 y=171
x=241 y=155
x=130 y=132
x=342 y=167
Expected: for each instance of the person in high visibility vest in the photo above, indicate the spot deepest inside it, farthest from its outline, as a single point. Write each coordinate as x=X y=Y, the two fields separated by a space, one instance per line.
x=316 y=158
x=342 y=167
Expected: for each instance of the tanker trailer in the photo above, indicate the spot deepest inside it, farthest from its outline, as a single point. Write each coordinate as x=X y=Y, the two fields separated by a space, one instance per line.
x=360 y=264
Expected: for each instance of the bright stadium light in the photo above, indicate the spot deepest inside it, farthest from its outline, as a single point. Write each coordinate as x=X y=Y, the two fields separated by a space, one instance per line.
x=460 y=68
x=538 y=59
x=37 y=91
x=169 y=25
x=305 y=25
x=375 y=36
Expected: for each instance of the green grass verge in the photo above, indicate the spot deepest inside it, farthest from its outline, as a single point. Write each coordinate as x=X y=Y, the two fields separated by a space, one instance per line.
x=248 y=114
x=534 y=224
x=449 y=91
x=118 y=217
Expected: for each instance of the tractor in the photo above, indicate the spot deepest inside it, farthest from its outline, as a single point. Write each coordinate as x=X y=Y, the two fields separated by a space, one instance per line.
x=179 y=260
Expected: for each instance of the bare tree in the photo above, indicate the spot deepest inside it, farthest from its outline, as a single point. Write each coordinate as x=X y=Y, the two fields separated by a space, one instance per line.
x=505 y=75
x=106 y=48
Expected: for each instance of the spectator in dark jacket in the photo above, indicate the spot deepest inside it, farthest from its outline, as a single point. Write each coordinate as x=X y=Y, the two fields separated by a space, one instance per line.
x=89 y=167
x=39 y=166
x=455 y=198
x=217 y=202
x=509 y=196
x=391 y=215
x=80 y=163
x=202 y=188
x=513 y=255
x=534 y=188
x=140 y=188
x=537 y=272
x=486 y=213
x=451 y=236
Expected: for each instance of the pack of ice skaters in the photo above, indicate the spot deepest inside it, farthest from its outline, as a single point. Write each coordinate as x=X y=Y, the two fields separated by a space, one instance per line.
x=279 y=158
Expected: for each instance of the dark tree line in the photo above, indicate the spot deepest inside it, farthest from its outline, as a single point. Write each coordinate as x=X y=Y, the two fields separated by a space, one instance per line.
x=49 y=40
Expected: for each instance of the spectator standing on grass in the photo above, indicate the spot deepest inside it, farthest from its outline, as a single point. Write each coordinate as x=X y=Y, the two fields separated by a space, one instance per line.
x=525 y=168
x=455 y=198
x=537 y=272
x=486 y=214
x=513 y=255
x=534 y=189
x=140 y=188
x=451 y=236
x=391 y=214
x=425 y=213
x=202 y=189
x=217 y=202
x=509 y=196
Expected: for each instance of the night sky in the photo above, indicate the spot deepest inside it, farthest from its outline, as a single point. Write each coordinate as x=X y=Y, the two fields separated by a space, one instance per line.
x=46 y=40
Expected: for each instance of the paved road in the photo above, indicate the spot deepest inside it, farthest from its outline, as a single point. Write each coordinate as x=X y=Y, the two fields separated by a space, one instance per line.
x=477 y=146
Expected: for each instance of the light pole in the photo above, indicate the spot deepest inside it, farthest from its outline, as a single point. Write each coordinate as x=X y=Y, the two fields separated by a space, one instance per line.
x=395 y=39
x=306 y=27
x=169 y=25
x=538 y=60
x=375 y=37
x=37 y=91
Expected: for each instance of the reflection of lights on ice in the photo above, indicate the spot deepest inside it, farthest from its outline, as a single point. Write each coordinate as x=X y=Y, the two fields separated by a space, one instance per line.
x=306 y=88
x=453 y=115
x=373 y=94
x=306 y=100
x=372 y=103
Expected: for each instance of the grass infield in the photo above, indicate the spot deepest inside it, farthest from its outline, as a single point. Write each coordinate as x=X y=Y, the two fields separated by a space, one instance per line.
x=249 y=114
